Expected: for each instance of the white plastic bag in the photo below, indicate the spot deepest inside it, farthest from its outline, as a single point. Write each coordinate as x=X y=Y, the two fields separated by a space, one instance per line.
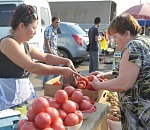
x=114 y=125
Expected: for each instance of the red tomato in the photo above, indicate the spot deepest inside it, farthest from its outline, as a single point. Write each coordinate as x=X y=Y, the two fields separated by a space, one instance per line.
x=57 y=83
x=21 y=123
x=89 y=87
x=40 y=104
x=79 y=114
x=61 y=96
x=62 y=114
x=43 y=120
x=48 y=98
x=86 y=98
x=69 y=90
x=69 y=106
x=91 y=77
x=71 y=119
x=85 y=105
x=82 y=82
x=58 y=126
x=78 y=89
x=31 y=115
x=77 y=96
x=101 y=80
x=60 y=120
x=84 y=79
x=104 y=80
x=69 y=98
x=53 y=114
x=49 y=128
x=29 y=126
x=55 y=104
x=77 y=106
x=80 y=86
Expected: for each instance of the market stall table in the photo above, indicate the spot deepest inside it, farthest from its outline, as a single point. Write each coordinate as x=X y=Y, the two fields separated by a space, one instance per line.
x=93 y=121
x=97 y=120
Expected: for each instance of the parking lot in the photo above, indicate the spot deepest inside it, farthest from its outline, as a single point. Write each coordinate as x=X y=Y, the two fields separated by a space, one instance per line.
x=82 y=69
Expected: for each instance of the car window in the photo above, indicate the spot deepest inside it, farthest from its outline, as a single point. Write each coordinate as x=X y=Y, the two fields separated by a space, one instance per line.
x=63 y=29
x=77 y=29
x=45 y=21
x=6 y=11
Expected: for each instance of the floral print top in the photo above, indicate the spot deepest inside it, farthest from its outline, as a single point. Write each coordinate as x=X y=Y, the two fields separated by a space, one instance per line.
x=135 y=102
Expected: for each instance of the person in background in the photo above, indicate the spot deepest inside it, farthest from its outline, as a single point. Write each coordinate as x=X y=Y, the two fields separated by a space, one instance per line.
x=16 y=64
x=94 y=40
x=50 y=39
x=131 y=77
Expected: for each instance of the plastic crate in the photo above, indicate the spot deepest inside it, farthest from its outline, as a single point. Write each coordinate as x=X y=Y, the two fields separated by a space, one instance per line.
x=9 y=119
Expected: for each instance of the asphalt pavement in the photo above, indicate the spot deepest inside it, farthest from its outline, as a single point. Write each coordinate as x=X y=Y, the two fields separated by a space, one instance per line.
x=105 y=65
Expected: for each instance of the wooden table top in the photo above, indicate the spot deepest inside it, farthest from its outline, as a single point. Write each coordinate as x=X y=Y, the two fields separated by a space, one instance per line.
x=92 y=122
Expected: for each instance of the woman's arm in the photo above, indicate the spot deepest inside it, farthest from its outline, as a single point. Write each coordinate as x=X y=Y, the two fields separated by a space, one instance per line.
x=106 y=75
x=128 y=73
x=50 y=58
x=16 y=53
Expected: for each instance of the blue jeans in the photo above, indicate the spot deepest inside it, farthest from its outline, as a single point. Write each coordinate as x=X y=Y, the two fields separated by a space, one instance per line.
x=93 y=61
x=46 y=78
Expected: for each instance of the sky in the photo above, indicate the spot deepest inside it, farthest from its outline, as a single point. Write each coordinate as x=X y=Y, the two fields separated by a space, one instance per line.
x=123 y=5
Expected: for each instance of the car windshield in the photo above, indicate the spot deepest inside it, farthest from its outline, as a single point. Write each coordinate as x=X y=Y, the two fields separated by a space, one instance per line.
x=77 y=29
x=6 y=11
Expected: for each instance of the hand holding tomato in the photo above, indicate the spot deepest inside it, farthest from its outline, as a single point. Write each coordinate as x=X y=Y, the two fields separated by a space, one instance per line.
x=98 y=74
x=96 y=83
x=91 y=77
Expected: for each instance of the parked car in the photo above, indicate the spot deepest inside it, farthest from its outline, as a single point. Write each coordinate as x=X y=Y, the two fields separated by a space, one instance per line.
x=72 y=41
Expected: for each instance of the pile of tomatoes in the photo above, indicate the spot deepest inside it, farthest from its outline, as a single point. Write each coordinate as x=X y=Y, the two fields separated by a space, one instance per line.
x=83 y=82
x=42 y=116
x=64 y=109
x=82 y=102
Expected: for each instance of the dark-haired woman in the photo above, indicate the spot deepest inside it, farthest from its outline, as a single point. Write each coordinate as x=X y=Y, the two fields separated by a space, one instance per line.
x=16 y=62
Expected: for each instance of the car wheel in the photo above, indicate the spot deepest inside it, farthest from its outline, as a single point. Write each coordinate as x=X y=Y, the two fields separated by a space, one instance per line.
x=65 y=54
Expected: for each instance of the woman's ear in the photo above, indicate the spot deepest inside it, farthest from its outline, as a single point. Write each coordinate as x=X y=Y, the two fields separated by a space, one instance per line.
x=21 y=26
x=127 y=34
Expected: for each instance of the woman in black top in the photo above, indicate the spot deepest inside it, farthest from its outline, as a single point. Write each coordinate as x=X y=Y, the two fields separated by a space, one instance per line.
x=16 y=62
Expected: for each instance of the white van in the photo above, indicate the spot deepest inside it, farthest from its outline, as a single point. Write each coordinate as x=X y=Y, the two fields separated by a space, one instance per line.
x=43 y=11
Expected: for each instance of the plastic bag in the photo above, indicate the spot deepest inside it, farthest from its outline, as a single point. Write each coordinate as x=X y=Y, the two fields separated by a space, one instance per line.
x=72 y=81
x=114 y=125
x=103 y=44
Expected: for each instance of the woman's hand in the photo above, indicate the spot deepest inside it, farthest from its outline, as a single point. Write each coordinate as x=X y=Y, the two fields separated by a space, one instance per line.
x=70 y=65
x=95 y=83
x=67 y=72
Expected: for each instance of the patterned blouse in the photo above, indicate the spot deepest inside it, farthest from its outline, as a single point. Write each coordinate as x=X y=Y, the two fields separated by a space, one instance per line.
x=135 y=102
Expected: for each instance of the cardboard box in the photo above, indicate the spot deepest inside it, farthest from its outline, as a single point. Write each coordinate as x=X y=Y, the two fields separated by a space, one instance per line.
x=49 y=87
x=99 y=96
x=50 y=90
x=90 y=93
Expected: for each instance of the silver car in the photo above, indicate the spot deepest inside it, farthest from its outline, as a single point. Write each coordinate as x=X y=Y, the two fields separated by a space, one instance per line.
x=72 y=41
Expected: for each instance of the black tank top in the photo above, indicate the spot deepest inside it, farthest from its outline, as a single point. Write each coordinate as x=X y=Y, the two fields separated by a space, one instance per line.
x=9 y=69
